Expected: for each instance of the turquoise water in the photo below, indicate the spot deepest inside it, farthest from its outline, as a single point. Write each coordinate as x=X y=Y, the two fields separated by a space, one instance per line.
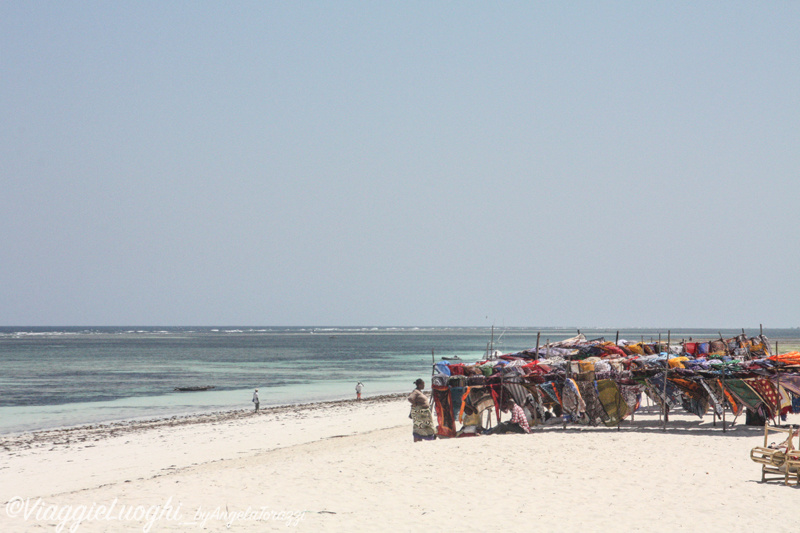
x=55 y=377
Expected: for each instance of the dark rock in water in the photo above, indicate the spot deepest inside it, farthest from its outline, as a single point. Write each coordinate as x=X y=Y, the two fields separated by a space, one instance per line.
x=191 y=389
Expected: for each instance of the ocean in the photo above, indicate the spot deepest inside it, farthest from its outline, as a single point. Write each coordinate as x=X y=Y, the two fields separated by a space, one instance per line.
x=56 y=377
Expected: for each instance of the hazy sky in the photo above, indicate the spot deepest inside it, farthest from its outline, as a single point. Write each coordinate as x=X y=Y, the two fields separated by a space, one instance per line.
x=612 y=164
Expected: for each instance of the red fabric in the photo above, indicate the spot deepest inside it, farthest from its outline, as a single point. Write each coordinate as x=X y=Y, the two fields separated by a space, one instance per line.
x=614 y=350
x=690 y=347
x=496 y=398
x=767 y=391
x=457 y=369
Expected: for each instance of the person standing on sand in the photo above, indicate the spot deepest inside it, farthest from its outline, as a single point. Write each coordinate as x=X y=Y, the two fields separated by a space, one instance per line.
x=359 y=388
x=421 y=414
x=255 y=400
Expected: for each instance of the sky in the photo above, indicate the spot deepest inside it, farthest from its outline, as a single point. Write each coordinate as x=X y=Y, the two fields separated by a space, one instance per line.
x=596 y=164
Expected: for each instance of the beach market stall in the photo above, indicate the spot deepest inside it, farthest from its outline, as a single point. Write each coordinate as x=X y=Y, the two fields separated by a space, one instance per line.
x=593 y=382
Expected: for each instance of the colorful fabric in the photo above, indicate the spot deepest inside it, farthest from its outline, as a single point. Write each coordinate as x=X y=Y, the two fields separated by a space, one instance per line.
x=715 y=401
x=744 y=393
x=723 y=393
x=550 y=389
x=442 y=367
x=632 y=396
x=422 y=423
x=696 y=406
x=572 y=401
x=457 y=401
x=673 y=398
x=789 y=358
x=594 y=409
x=520 y=394
x=767 y=391
x=446 y=426
x=457 y=369
x=677 y=362
x=695 y=400
x=791 y=383
x=615 y=407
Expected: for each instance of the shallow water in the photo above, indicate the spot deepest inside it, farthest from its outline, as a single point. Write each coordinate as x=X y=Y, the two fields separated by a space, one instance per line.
x=56 y=377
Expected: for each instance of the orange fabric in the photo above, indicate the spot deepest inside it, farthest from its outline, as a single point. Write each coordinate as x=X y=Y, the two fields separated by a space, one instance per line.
x=677 y=362
x=463 y=404
x=636 y=348
x=789 y=358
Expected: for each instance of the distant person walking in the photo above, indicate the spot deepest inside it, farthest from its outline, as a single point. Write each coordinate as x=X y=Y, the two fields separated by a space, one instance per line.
x=255 y=400
x=359 y=388
x=421 y=414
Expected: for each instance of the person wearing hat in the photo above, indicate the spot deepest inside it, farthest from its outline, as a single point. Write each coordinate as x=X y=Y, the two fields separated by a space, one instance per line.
x=422 y=428
x=255 y=400
x=359 y=388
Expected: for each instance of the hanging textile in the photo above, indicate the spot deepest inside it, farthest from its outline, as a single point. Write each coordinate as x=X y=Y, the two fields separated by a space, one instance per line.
x=615 y=407
x=572 y=401
x=480 y=399
x=716 y=403
x=520 y=394
x=673 y=398
x=744 y=393
x=632 y=395
x=456 y=396
x=594 y=409
x=767 y=391
x=695 y=400
x=550 y=389
x=538 y=401
x=722 y=392
x=446 y=426
x=792 y=383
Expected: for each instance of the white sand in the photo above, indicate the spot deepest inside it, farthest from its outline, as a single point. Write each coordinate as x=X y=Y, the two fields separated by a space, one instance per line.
x=347 y=466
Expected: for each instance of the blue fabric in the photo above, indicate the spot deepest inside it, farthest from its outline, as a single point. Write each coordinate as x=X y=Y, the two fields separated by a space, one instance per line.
x=442 y=367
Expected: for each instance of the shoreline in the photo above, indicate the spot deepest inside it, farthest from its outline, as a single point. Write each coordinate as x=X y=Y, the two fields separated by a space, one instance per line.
x=81 y=432
x=348 y=465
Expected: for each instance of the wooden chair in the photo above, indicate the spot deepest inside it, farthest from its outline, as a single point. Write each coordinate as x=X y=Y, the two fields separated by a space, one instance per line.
x=781 y=461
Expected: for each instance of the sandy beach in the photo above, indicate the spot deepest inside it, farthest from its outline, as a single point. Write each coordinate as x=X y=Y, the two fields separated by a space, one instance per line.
x=352 y=466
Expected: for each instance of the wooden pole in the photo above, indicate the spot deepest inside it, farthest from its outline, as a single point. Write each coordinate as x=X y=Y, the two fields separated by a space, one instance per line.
x=666 y=374
x=778 y=386
x=538 y=336
x=564 y=418
x=724 y=428
x=433 y=372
